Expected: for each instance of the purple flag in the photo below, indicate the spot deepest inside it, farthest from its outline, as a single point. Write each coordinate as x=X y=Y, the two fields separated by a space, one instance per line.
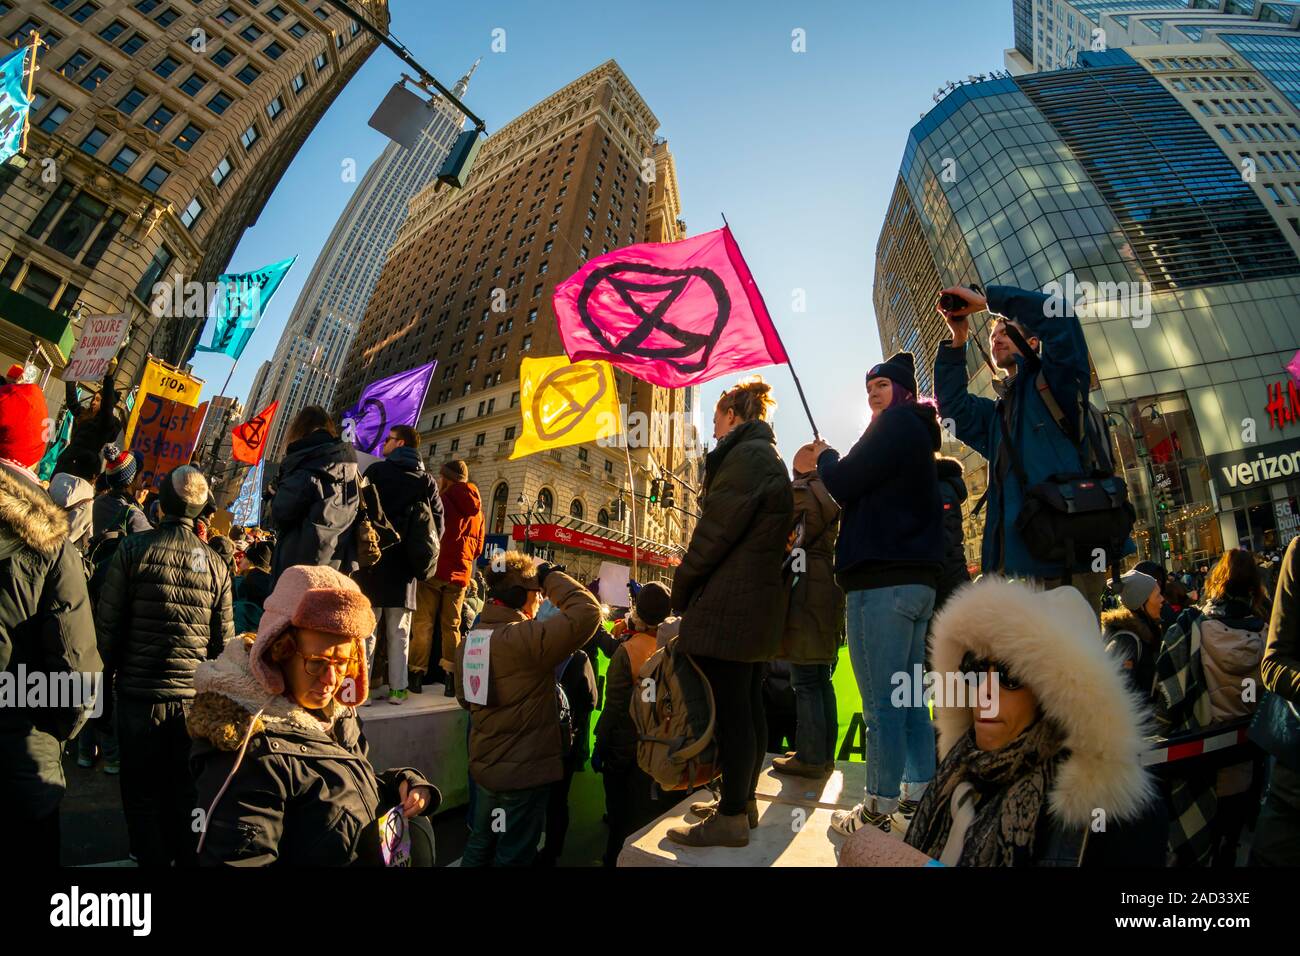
x=1294 y=368
x=395 y=400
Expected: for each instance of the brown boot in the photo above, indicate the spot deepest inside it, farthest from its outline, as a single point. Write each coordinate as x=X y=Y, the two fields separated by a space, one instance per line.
x=795 y=767
x=718 y=829
x=706 y=810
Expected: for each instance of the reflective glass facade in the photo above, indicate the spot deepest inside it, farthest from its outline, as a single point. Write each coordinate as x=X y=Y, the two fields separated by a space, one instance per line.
x=1189 y=216
x=1276 y=56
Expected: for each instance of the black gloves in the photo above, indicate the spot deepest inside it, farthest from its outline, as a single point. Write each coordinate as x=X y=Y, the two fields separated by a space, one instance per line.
x=546 y=568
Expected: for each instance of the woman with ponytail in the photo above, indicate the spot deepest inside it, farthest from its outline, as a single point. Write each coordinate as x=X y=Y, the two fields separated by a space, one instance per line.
x=729 y=592
x=888 y=559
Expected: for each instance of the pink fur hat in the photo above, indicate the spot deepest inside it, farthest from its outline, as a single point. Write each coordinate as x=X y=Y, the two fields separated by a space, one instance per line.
x=318 y=598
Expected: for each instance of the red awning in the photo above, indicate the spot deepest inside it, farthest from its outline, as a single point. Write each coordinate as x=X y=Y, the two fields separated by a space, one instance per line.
x=571 y=538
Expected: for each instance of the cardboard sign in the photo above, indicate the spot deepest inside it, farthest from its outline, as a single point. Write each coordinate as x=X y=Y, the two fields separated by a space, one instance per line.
x=474 y=669
x=101 y=337
x=613 y=584
x=395 y=838
x=165 y=435
x=166 y=382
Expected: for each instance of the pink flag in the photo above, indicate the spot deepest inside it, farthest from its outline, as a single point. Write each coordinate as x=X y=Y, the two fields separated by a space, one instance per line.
x=671 y=313
x=1294 y=368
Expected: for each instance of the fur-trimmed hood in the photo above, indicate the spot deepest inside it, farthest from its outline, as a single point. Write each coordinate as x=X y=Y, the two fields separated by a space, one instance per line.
x=1052 y=642
x=228 y=695
x=1122 y=619
x=28 y=515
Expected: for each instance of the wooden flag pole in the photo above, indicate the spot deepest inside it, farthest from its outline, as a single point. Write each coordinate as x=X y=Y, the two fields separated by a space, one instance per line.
x=31 y=78
x=789 y=364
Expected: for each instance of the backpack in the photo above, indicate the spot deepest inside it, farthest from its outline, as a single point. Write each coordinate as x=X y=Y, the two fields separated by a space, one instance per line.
x=674 y=715
x=99 y=552
x=420 y=539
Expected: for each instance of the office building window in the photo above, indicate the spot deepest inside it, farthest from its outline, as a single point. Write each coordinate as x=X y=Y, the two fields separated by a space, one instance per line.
x=222 y=170
x=192 y=212
x=124 y=159
x=54 y=118
x=132 y=44
x=94 y=139
x=220 y=102
x=249 y=136
x=167 y=66
x=156 y=176
x=193 y=84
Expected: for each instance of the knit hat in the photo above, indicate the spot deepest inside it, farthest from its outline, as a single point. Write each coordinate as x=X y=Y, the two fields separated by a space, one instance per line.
x=183 y=493
x=318 y=598
x=455 y=470
x=23 y=417
x=899 y=369
x=653 y=604
x=120 y=467
x=1136 y=589
x=258 y=555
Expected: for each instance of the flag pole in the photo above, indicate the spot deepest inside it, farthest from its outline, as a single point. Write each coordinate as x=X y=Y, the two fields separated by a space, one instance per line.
x=225 y=420
x=789 y=364
x=631 y=487
x=31 y=78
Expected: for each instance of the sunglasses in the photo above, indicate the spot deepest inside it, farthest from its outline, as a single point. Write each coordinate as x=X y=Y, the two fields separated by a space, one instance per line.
x=981 y=665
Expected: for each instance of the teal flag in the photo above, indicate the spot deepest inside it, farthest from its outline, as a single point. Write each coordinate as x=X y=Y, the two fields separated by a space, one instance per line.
x=241 y=300
x=45 y=468
x=14 y=103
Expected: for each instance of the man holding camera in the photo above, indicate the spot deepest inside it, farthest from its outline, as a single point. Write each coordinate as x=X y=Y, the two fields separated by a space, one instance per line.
x=1042 y=357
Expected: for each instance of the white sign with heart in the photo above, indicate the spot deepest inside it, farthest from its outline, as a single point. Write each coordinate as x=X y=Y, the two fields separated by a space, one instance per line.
x=474 y=666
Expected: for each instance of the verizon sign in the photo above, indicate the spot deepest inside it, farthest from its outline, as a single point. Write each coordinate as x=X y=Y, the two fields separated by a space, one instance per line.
x=555 y=534
x=1249 y=468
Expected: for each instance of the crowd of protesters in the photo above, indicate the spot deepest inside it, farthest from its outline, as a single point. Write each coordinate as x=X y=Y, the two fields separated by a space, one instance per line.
x=236 y=667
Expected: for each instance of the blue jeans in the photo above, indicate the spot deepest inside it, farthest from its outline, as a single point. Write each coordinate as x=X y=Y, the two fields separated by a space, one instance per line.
x=886 y=628
x=508 y=837
x=816 y=719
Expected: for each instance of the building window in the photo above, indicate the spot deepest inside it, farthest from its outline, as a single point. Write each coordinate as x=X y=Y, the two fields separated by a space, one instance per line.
x=299 y=81
x=220 y=102
x=129 y=103
x=54 y=118
x=298 y=31
x=192 y=212
x=158 y=266
x=39 y=285
x=193 y=84
x=480 y=439
x=156 y=176
x=319 y=62
x=94 y=139
x=112 y=31
x=277 y=13
x=167 y=66
x=76 y=224
x=510 y=433
x=188 y=137
x=223 y=57
x=248 y=74
x=582 y=454
x=455 y=445
x=609 y=467
x=228 y=16
x=249 y=136
x=124 y=159
x=273 y=50
x=166 y=18
x=274 y=108
x=83 y=12
x=159 y=119
x=222 y=170
x=75 y=64
x=132 y=44
x=95 y=77
x=251 y=33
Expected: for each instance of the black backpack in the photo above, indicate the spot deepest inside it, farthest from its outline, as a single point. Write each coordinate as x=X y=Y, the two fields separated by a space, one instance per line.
x=419 y=535
x=100 y=550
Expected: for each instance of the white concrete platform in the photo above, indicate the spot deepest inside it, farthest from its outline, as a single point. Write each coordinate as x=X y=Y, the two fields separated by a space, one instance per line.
x=426 y=732
x=794 y=825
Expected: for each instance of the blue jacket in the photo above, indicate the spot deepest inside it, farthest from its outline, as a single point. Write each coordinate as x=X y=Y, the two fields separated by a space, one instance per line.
x=1043 y=447
x=888 y=486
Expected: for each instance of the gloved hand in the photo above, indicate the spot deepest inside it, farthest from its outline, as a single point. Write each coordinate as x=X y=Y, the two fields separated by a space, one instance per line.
x=546 y=568
x=633 y=588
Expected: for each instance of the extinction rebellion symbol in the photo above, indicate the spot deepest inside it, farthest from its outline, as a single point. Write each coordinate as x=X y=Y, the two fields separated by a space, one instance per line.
x=650 y=294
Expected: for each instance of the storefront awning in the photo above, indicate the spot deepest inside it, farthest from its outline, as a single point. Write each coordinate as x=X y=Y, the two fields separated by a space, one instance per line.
x=24 y=318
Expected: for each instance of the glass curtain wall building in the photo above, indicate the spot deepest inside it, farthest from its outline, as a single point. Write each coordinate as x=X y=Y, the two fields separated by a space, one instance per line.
x=1099 y=175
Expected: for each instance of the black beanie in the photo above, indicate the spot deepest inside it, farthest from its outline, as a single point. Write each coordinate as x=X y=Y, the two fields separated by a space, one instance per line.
x=899 y=369
x=653 y=604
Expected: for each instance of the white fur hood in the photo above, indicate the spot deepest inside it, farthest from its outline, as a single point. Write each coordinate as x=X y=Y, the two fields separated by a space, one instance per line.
x=1052 y=641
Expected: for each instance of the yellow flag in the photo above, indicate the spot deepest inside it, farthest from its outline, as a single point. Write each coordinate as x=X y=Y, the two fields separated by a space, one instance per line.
x=565 y=403
x=163 y=380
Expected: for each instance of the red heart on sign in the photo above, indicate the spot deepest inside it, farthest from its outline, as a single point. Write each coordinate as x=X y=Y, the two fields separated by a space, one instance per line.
x=473 y=684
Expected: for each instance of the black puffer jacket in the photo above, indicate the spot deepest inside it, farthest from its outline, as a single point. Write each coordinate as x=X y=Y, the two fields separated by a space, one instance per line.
x=90 y=434
x=400 y=480
x=46 y=627
x=314 y=505
x=952 y=492
x=728 y=587
x=165 y=606
x=304 y=794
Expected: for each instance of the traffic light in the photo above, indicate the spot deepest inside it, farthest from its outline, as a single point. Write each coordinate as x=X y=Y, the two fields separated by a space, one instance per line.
x=455 y=168
x=654 y=491
x=667 y=501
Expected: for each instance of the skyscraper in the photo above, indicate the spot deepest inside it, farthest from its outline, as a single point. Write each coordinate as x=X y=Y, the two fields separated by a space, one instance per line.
x=1104 y=179
x=158 y=131
x=309 y=357
x=468 y=282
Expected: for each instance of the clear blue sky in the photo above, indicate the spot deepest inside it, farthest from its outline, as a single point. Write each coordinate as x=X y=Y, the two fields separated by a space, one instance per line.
x=800 y=150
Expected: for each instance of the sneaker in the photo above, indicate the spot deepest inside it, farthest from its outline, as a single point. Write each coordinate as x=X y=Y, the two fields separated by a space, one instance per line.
x=907 y=809
x=112 y=767
x=86 y=762
x=848 y=821
x=397 y=697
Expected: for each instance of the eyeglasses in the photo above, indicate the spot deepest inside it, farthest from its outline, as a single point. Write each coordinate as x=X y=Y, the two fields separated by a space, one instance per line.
x=315 y=665
x=1006 y=680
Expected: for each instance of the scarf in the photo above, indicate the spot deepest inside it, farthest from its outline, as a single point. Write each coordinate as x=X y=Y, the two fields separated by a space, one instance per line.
x=1011 y=787
x=406 y=457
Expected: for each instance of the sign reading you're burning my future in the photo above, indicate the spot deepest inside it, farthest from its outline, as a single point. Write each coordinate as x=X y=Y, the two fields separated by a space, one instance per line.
x=101 y=337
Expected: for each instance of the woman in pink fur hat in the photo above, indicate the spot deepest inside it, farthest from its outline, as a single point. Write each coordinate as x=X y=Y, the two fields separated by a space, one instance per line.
x=278 y=751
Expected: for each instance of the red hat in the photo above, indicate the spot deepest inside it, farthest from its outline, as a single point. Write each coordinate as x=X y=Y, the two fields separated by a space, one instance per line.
x=15 y=372
x=24 y=417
